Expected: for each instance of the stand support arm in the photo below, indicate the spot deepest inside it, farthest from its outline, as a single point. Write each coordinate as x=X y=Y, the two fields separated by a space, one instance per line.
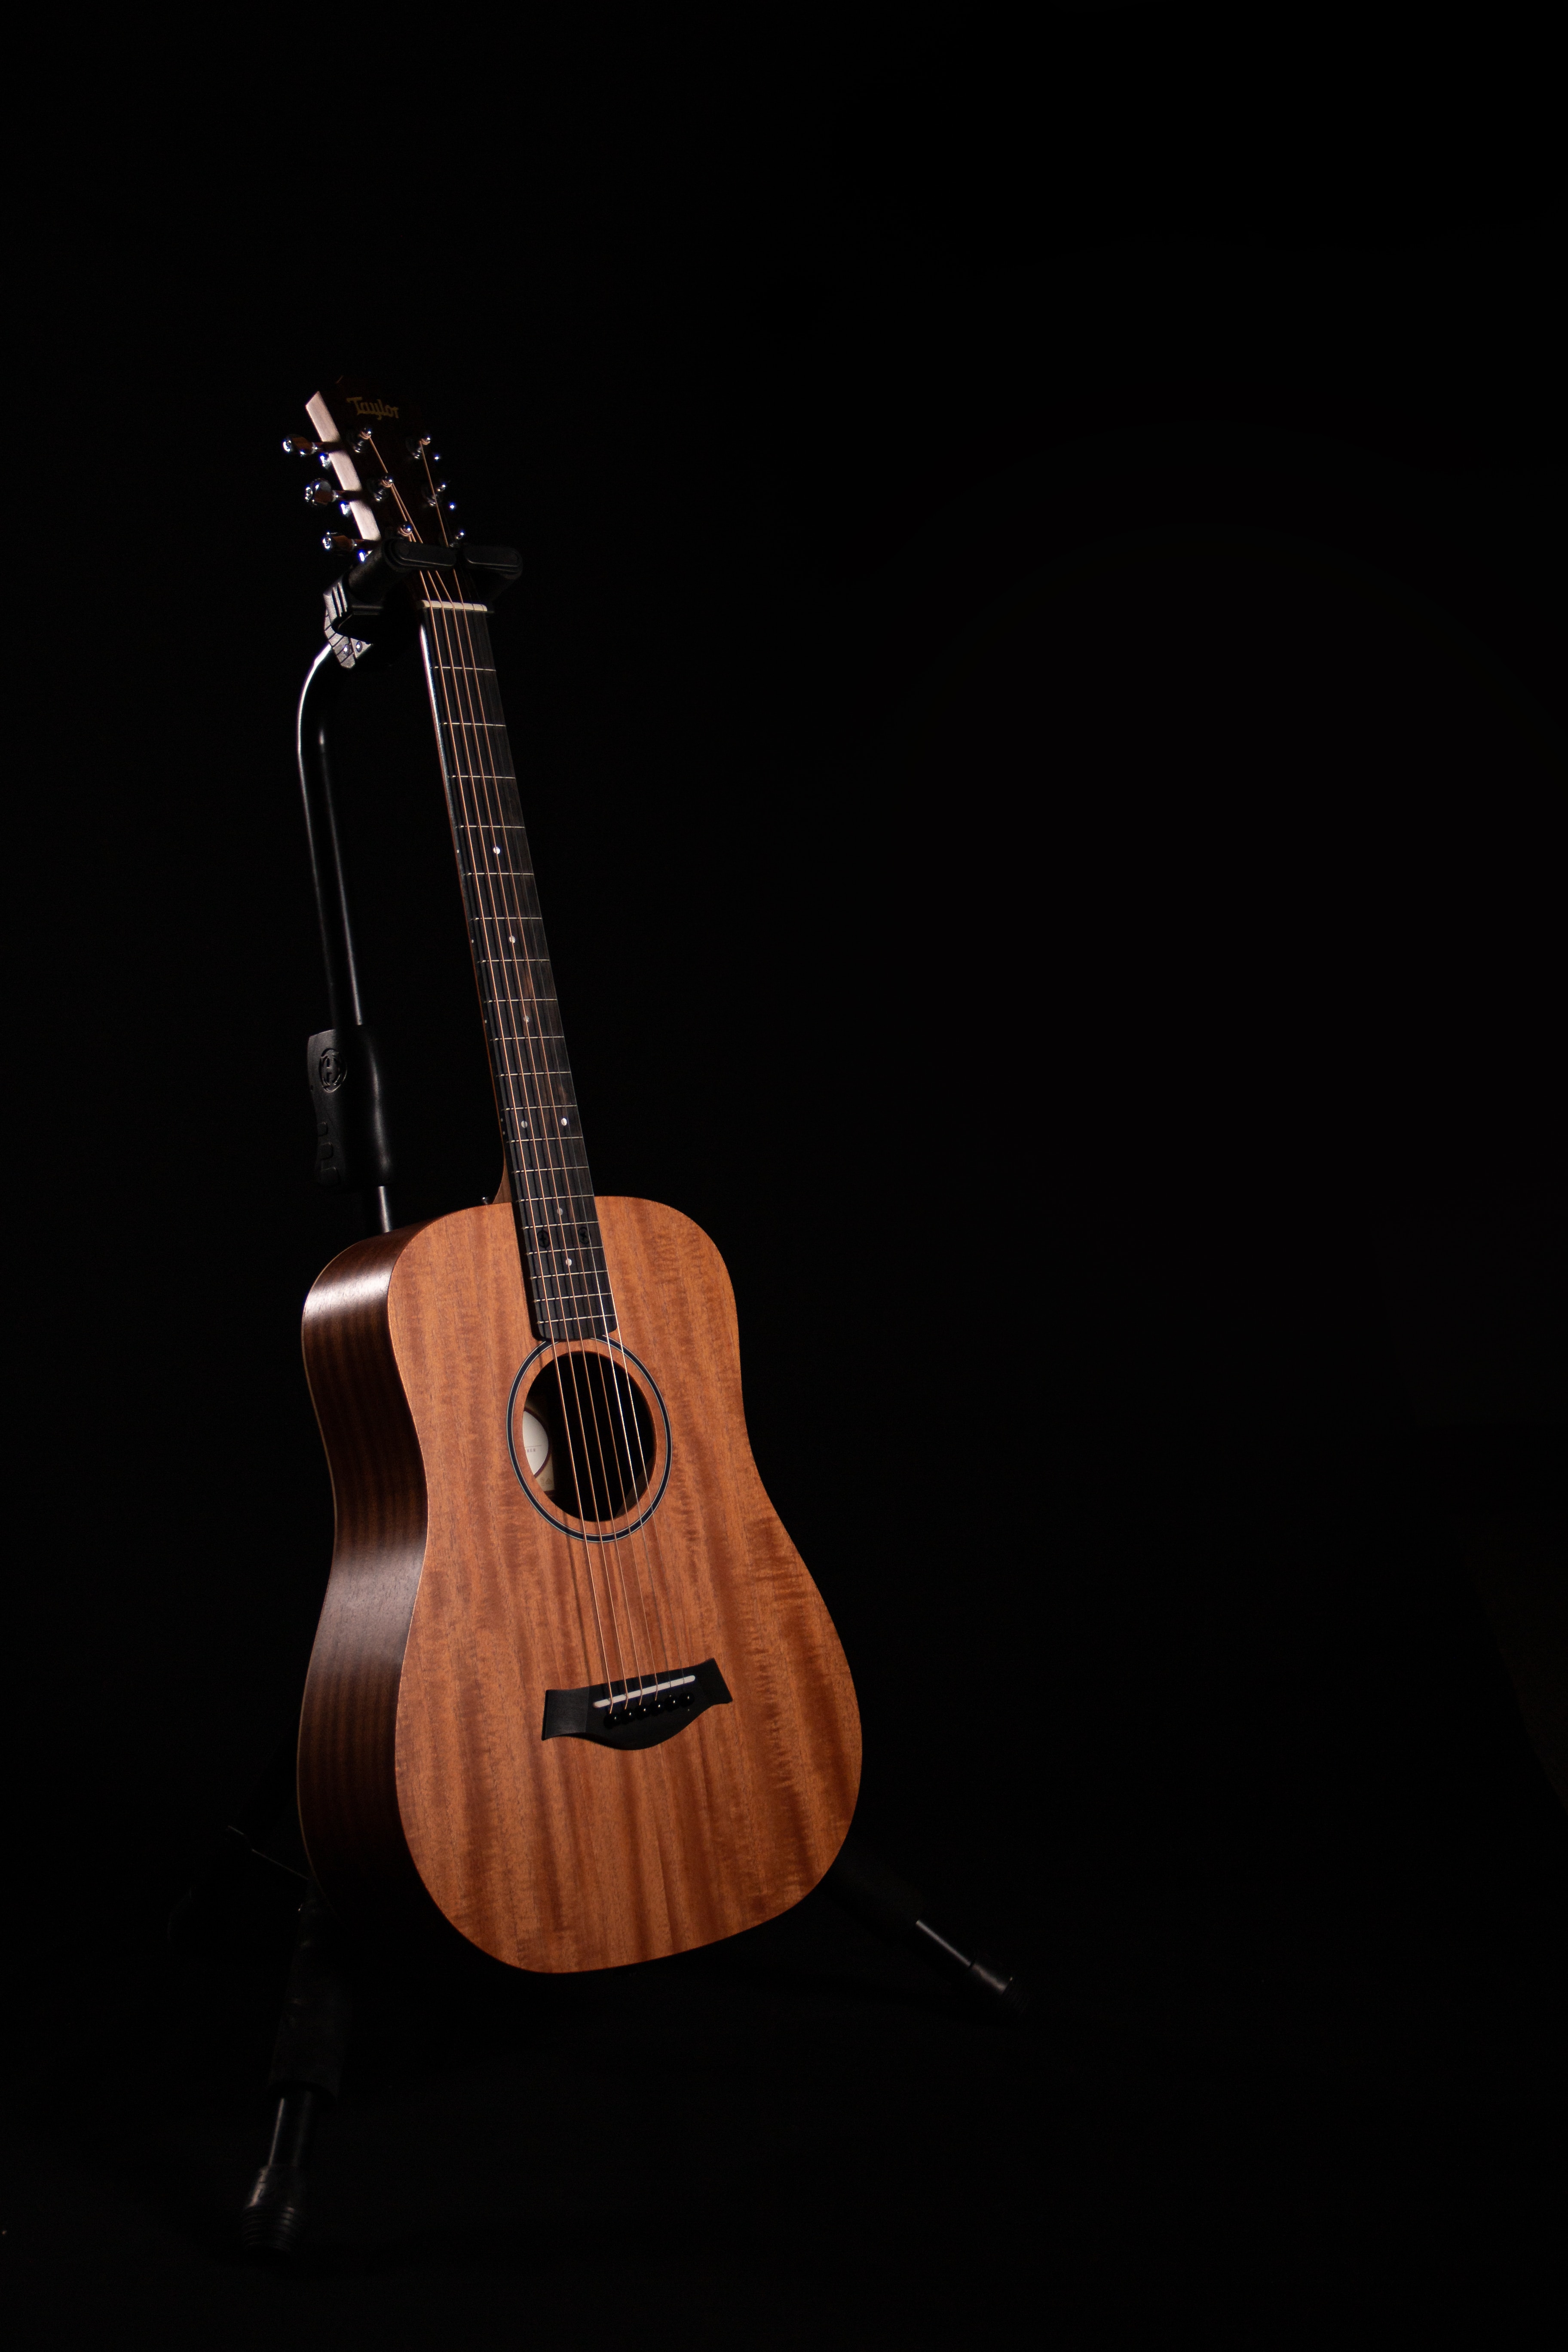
x=352 y=1149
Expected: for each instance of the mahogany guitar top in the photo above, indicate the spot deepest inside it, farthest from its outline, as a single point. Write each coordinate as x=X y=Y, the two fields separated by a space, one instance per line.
x=457 y=1600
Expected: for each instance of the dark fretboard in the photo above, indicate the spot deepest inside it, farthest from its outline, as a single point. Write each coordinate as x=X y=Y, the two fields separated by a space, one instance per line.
x=552 y=1190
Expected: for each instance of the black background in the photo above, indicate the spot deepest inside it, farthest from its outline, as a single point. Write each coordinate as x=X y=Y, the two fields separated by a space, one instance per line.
x=1037 y=661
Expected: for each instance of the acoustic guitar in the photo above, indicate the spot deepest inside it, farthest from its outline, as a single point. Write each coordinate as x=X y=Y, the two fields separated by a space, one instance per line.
x=573 y=1685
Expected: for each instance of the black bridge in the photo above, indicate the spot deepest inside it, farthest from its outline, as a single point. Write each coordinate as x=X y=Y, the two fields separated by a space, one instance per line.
x=637 y=1713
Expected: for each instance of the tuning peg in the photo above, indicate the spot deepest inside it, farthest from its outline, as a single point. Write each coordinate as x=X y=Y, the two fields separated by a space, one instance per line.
x=332 y=494
x=335 y=541
x=297 y=446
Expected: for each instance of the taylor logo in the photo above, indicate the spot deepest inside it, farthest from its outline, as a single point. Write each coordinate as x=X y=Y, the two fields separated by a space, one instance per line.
x=376 y=408
x=331 y=1069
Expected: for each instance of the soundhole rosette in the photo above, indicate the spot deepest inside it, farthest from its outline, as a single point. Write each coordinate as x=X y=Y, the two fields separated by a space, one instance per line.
x=588 y=1434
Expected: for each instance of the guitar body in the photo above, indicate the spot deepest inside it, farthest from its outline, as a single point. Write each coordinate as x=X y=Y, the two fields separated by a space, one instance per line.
x=461 y=1594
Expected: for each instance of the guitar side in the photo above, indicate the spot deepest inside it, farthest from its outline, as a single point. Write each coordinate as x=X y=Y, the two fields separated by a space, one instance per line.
x=456 y=1602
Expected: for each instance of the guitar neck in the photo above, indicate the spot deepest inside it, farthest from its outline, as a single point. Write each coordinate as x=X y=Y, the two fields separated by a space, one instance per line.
x=552 y=1190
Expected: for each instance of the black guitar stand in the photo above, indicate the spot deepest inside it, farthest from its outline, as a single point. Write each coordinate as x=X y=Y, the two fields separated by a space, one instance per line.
x=355 y=1155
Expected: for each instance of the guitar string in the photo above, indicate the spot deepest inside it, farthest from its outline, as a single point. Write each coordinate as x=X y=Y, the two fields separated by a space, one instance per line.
x=549 y=1308
x=533 y=1202
x=524 y=1115
x=604 y=1384
x=651 y=1579
x=486 y=774
x=583 y=1381
x=462 y=818
x=591 y=1375
x=529 y=1210
x=585 y=1368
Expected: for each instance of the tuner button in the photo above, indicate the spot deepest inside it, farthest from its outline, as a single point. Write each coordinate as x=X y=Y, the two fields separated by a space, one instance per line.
x=295 y=448
x=321 y=493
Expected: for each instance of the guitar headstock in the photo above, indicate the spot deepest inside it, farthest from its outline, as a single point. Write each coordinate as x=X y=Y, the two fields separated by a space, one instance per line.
x=379 y=471
x=381 y=475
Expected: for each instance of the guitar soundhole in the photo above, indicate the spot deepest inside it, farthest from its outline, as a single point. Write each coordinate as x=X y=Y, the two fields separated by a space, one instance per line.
x=590 y=1449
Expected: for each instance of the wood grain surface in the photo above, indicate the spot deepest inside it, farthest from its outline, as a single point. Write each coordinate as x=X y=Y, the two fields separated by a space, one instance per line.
x=348 y=1717
x=558 y=1855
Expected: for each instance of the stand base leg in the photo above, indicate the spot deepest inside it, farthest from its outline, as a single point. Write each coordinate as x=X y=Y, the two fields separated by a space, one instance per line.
x=892 y=1908
x=273 y=2221
x=307 y=2073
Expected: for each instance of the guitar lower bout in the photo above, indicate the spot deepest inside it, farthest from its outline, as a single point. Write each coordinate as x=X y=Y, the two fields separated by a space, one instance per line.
x=572 y=1683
